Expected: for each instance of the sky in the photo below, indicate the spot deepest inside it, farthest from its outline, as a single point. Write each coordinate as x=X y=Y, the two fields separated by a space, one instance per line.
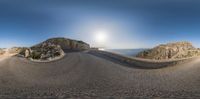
x=122 y=23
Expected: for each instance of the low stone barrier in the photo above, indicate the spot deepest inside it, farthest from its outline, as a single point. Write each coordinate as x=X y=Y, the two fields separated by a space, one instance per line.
x=139 y=62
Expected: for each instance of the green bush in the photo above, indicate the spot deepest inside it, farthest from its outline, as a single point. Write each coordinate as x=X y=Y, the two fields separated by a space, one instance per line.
x=57 y=54
x=36 y=55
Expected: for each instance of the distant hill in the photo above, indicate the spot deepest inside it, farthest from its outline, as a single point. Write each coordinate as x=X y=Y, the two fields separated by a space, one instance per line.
x=175 y=50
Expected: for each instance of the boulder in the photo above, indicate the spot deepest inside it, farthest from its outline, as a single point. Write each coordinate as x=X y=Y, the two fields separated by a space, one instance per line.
x=27 y=53
x=175 y=50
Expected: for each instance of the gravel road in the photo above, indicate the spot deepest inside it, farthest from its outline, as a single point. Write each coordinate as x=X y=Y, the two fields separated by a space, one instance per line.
x=84 y=75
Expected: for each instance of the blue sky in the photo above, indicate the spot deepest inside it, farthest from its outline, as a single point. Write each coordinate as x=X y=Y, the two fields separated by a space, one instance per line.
x=127 y=23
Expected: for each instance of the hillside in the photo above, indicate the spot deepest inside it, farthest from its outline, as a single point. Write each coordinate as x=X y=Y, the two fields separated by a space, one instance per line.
x=175 y=50
x=65 y=44
x=54 y=47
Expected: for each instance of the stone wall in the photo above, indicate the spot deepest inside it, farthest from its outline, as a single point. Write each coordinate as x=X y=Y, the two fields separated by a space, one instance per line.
x=138 y=62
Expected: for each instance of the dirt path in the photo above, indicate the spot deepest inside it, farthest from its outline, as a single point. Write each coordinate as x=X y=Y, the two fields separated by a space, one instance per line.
x=84 y=75
x=6 y=55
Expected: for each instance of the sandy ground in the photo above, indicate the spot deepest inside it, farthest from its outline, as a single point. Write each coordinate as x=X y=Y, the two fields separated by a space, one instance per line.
x=84 y=75
x=6 y=55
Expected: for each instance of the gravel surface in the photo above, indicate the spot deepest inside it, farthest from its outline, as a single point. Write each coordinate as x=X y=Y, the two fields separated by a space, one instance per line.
x=86 y=76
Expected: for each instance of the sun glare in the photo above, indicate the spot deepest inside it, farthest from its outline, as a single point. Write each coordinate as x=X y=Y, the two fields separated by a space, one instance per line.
x=100 y=36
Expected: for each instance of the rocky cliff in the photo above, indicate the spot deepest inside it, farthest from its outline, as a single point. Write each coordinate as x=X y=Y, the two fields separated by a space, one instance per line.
x=176 y=50
x=65 y=44
x=54 y=47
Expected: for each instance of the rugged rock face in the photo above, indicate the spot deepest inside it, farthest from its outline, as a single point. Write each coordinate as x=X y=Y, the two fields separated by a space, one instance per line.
x=44 y=52
x=66 y=44
x=47 y=50
x=53 y=47
x=170 y=51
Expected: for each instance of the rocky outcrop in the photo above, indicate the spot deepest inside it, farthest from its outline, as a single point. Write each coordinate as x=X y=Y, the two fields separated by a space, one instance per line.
x=47 y=51
x=53 y=48
x=176 y=50
x=27 y=53
x=66 y=44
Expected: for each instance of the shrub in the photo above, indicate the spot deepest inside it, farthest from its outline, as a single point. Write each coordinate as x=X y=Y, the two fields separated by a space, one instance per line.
x=36 y=55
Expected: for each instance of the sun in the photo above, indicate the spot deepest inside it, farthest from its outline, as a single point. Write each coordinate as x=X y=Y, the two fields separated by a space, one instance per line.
x=101 y=36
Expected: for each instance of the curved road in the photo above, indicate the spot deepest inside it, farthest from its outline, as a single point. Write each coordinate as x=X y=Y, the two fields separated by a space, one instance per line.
x=84 y=75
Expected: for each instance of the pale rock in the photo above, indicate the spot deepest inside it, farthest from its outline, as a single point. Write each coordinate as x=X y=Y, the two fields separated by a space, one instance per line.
x=176 y=50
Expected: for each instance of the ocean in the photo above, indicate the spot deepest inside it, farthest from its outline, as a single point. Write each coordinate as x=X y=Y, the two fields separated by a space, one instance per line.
x=126 y=52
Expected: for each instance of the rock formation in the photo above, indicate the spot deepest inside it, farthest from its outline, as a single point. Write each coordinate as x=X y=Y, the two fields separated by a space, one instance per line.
x=44 y=52
x=66 y=44
x=27 y=53
x=176 y=50
x=52 y=48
